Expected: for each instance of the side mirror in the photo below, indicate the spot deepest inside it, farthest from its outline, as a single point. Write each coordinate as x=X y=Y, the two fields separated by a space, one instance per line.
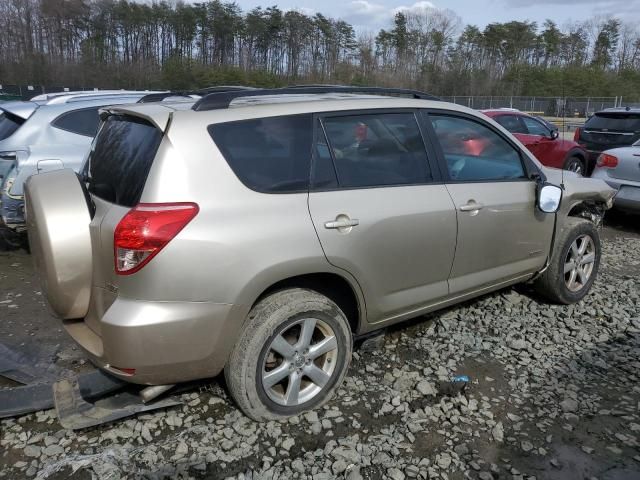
x=554 y=134
x=549 y=197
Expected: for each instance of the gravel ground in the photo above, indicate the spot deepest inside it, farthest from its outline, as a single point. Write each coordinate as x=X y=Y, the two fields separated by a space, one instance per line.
x=554 y=394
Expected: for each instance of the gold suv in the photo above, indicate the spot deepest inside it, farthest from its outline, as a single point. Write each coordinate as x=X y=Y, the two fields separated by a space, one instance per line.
x=258 y=232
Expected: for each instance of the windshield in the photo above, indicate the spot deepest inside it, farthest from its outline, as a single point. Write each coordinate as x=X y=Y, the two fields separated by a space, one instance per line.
x=9 y=123
x=623 y=122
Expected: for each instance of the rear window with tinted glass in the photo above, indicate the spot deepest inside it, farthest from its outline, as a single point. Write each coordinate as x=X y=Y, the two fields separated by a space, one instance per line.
x=270 y=155
x=82 y=122
x=120 y=159
x=9 y=123
x=624 y=122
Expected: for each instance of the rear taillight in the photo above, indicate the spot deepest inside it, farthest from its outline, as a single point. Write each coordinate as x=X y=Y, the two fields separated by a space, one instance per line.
x=607 y=161
x=576 y=135
x=145 y=230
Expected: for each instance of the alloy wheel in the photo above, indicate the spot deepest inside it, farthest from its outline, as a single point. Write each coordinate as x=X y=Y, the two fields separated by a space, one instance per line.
x=579 y=263
x=299 y=362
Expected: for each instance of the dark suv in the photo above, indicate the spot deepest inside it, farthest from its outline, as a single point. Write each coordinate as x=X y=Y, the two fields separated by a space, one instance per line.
x=610 y=128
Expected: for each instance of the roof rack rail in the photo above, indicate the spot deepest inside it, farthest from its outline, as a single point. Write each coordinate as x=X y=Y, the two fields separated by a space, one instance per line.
x=159 y=97
x=217 y=101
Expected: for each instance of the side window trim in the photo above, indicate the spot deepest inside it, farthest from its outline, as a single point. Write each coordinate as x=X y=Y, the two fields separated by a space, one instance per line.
x=529 y=167
x=430 y=151
x=318 y=134
x=71 y=112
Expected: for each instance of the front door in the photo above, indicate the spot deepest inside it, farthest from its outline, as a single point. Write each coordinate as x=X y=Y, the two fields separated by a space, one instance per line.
x=381 y=212
x=501 y=233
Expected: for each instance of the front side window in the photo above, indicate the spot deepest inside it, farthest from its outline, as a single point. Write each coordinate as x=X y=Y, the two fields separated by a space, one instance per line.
x=269 y=155
x=9 y=123
x=534 y=127
x=377 y=150
x=474 y=152
x=81 y=122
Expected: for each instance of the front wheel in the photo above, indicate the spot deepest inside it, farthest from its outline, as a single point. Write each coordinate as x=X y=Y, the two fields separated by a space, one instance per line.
x=575 y=164
x=293 y=353
x=574 y=263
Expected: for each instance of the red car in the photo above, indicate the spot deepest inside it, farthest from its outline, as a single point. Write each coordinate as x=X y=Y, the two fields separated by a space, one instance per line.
x=542 y=139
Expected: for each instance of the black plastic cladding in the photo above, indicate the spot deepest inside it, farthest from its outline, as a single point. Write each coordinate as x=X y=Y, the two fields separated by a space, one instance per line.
x=221 y=100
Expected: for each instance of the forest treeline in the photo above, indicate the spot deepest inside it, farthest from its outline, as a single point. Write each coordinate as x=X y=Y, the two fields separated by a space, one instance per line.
x=122 y=43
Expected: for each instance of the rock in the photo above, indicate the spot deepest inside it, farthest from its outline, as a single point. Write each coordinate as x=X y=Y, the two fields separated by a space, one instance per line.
x=395 y=474
x=498 y=432
x=288 y=443
x=526 y=446
x=426 y=388
x=52 y=450
x=32 y=451
x=569 y=405
x=443 y=460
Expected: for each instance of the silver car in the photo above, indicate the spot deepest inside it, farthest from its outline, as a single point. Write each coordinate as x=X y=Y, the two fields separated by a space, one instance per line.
x=47 y=133
x=257 y=233
x=620 y=168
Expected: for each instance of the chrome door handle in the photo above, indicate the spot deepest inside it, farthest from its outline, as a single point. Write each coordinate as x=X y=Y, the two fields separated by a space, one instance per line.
x=342 y=223
x=470 y=207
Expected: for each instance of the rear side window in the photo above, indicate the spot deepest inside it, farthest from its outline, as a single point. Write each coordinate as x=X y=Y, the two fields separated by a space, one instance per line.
x=511 y=123
x=9 y=123
x=82 y=122
x=120 y=159
x=269 y=155
x=372 y=150
x=612 y=121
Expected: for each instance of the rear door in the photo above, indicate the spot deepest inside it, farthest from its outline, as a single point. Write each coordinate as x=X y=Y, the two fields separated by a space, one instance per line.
x=501 y=234
x=116 y=171
x=380 y=209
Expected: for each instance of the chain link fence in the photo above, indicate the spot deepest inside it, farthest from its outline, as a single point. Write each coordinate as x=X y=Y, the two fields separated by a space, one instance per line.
x=569 y=107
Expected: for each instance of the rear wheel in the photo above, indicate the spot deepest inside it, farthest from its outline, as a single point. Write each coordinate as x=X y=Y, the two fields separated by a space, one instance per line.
x=574 y=263
x=291 y=356
x=575 y=164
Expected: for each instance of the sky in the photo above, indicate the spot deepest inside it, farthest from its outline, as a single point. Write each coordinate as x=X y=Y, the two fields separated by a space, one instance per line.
x=371 y=15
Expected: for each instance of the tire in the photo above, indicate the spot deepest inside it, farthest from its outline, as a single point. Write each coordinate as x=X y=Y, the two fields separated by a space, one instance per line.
x=280 y=316
x=575 y=164
x=554 y=283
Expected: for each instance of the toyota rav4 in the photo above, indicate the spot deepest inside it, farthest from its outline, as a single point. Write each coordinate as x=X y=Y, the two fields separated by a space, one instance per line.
x=258 y=232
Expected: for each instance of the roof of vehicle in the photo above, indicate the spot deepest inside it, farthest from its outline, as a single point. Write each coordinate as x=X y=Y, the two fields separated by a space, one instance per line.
x=60 y=104
x=65 y=97
x=495 y=111
x=619 y=110
x=275 y=105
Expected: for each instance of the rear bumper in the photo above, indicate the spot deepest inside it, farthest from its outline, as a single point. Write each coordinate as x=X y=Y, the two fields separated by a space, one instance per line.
x=165 y=342
x=628 y=196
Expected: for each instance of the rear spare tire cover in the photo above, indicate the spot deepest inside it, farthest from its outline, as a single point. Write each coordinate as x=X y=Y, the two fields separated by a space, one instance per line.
x=58 y=220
